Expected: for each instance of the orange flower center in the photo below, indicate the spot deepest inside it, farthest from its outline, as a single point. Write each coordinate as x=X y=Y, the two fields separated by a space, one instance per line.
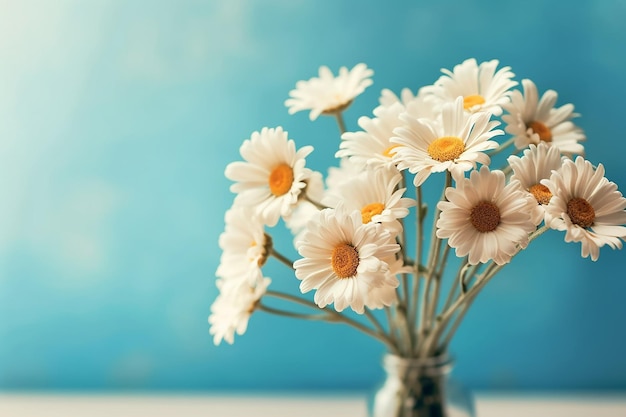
x=281 y=179
x=544 y=132
x=473 y=100
x=581 y=212
x=485 y=216
x=447 y=148
x=389 y=152
x=541 y=193
x=370 y=210
x=345 y=260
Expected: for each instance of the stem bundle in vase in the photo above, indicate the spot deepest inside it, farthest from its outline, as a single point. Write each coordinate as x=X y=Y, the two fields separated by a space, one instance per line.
x=350 y=228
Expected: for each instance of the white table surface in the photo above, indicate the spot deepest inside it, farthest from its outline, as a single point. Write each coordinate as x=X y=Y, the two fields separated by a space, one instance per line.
x=291 y=405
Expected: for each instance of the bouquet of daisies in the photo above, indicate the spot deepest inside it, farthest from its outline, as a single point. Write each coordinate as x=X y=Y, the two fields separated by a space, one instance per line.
x=350 y=227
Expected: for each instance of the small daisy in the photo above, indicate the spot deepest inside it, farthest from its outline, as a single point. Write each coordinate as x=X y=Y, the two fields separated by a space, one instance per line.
x=536 y=165
x=273 y=175
x=328 y=94
x=372 y=146
x=375 y=194
x=245 y=247
x=343 y=259
x=456 y=144
x=587 y=206
x=532 y=120
x=481 y=86
x=232 y=309
x=486 y=219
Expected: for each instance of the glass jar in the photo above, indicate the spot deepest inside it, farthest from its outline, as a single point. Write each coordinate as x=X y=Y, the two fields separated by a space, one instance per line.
x=420 y=387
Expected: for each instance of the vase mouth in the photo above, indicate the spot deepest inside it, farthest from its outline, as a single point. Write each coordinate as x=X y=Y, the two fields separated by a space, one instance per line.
x=440 y=364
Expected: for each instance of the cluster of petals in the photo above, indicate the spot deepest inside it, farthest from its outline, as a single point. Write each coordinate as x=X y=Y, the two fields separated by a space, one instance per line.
x=455 y=143
x=531 y=120
x=486 y=219
x=273 y=175
x=343 y=260
x=482 y=87
x=329 y=94
x=587 y=206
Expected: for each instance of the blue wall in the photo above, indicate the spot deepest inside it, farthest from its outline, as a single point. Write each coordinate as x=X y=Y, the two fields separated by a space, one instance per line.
x=117 y=120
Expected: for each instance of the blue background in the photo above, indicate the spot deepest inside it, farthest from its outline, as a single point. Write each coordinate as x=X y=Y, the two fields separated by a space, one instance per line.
x=117 y=119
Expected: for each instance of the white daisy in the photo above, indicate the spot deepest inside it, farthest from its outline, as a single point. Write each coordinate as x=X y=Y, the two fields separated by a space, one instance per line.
x=328 y=94
x=587 y=206
x=375 y=194
x=456 y=144
x=532 y=120
x=485 y=219
x=272 y=176
x=232 y=309
x=386 y=295
x=343 y=259
x=244 y=245
x=372 y=146
x=388 y=98
x=346 y=170
x=535 y=165
x=481 y=86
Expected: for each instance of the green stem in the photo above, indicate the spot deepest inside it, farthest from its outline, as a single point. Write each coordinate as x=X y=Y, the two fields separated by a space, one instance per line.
x=334 y=316
x=281 y=258
x=502 y=147
x=467 y=298
x=318 y=205
x=412 y=316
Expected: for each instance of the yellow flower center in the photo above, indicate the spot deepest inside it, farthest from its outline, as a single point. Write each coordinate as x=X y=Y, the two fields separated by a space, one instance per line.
x=541 y=193
x=581 y=212
x=281 y=179
x=485 y=216
x=544 y=132
x=345 y=260
x=473 y=100
x=447 y=148
x=370 y=211
x=389 y=152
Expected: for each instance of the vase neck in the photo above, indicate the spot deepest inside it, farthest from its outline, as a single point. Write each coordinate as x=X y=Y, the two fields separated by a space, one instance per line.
x=430 y=366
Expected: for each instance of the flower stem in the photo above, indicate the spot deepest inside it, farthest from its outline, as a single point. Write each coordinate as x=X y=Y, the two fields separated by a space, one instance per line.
x=318 y=205
x=334 y=317
x=502 y=147
x=340 y=122
x=281 y=258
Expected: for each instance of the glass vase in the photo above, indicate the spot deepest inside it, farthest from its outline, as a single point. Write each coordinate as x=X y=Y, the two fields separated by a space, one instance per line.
x=420 y=388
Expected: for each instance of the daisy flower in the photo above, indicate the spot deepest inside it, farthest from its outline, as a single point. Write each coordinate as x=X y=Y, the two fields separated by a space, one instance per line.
x=481 y=86
x=386 y=295
x=346 y=170
x=388 y=98
x=328 y=94
x=232 y=309
x=532 y=120
x=372 y=146
x=375 y=195
x=343 y=259
x=485 y=219
x=456 y=144
x=272 y=176
x=587 y=206
x=535 y=165
x=245 y=247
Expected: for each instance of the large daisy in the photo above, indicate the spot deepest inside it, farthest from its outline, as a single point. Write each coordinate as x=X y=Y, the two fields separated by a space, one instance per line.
x=232 y=309
x=272 y=176
x=532 y=120
x=535 y=165
x=455 y=144
x=343 y=259
x=328 y=94
x=244 y=247
x=485 y=219
x=375 y=194
x=481 y=86
x=587 y=206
